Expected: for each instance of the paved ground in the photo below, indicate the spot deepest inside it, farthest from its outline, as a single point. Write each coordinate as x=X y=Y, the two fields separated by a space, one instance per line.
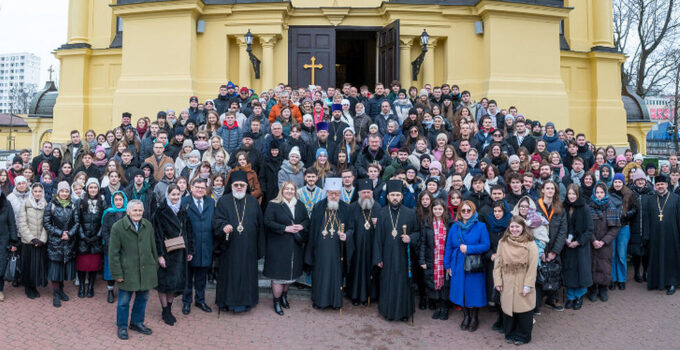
x=632 y=319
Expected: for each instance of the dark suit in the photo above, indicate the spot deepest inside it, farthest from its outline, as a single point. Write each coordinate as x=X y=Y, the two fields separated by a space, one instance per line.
x=201 y=224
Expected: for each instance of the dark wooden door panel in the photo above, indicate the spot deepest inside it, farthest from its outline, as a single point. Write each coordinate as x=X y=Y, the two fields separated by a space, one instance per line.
x=388 y=53
x=305 y=43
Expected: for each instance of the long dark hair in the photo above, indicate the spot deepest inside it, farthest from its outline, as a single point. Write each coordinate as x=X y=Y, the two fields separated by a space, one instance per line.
x=423 y=213
x=556 y=202
x=445 y=216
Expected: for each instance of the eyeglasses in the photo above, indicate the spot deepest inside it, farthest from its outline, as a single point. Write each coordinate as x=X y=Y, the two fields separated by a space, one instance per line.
x=201 y=137
x=466 y=210
x=237 y=185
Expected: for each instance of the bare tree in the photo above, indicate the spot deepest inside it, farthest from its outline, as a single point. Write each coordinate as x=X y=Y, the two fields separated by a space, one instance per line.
x=675 y=118
x=646 y=31
x=20 y=96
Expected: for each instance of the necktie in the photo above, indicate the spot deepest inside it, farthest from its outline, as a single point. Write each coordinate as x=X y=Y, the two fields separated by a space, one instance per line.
x=200 y=206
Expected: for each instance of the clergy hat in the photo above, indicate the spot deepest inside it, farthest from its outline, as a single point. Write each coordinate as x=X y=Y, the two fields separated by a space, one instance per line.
x=238 y=176
x=660 y=178
x=364 y=184
x=17 y=160
x=336 y=107
x=394 y=186
x=333 y=184
x=248 y=134
x=126 y=115
x=321 y=126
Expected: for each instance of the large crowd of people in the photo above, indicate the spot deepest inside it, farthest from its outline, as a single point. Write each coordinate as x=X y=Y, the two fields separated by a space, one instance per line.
x=409 y=198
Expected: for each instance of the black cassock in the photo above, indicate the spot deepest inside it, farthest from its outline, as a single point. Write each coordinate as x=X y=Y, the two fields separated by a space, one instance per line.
x=663 y=239
x=325 y=254
x=237 y=261
x=362 y=275
x=396 y=299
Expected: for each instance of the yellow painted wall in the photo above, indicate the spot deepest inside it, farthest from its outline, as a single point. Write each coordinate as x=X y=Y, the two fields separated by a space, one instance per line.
x=517 y=60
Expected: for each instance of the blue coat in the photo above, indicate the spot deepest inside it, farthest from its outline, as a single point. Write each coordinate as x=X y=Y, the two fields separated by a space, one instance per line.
x=231 y=138
x=201 y=224
x=467 y=289
x=554 y=144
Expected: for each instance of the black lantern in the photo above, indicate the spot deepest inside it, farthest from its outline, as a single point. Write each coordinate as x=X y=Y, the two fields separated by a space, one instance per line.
x=415 y=65
x=254 y=60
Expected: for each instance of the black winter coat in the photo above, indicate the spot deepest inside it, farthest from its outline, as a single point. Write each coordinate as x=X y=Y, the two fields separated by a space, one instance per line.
x=58 y=219
x=576 y=262
x=557 y=231
x=269 y=179
x=90 y=236
x=166 y=225
x=109 y=219
x=426 y=255
x=635 y=246
x=284 y=252
x=8 y=235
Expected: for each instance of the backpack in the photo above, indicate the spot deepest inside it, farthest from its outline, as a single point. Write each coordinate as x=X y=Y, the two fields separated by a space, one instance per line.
x=549 y=276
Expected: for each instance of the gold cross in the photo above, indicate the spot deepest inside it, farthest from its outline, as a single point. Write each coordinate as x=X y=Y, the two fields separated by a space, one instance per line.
x=313 y=66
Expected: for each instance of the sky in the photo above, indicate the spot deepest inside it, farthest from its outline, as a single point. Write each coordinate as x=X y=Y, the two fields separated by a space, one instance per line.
x=34 y=26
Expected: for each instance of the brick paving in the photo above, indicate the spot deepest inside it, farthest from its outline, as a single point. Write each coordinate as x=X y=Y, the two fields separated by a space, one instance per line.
x=632 y=319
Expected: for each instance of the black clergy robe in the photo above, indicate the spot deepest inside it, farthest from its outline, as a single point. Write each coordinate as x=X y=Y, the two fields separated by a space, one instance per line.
x=663 y=239
x=336 y=132
x=237 y=278
x=325 y=255
x=396 y=299
x=362 y=275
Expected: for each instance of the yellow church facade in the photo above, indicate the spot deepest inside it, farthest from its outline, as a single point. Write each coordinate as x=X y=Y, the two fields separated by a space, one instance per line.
x=552 y=59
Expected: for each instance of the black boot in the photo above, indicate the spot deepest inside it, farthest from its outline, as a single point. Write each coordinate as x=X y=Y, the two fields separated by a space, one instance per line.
x=56 y=299
x=284 y=300
x=109 y=296
x=603 y=293
x=172 y=317
x=432 y=304
x=436 y=314
x=422 y=304
x=622 y=285
x=578 y=303
x=474 y=322
x=444 y=315
x=277 y=306
x=165 y=316
x=29 y=292
x=612 y=286
x=81 y=290
x=466 y=319
x=592 y=293
x=90 y=289
x=498 y=325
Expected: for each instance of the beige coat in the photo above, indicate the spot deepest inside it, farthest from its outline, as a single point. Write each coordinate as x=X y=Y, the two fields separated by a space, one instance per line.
x=512 y=300
x=30 y=223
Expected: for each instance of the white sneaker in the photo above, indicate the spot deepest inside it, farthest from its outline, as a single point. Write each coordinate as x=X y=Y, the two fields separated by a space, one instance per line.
x=534 y=321
x=2 y=296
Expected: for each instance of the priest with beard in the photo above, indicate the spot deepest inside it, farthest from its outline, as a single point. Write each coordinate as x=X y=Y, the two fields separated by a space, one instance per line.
x=397 y=232
x=326 y=246
x=239 y=240
x=661 y=233
x=362 y=276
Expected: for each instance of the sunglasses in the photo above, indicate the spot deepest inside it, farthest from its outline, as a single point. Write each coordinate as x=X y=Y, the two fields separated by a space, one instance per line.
x=466 y=210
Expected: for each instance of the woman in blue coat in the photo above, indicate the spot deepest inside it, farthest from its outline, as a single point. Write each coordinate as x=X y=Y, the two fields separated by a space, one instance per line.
x=467 y=236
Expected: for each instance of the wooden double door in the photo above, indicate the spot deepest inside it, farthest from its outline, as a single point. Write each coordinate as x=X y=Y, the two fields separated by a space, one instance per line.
x=359 y=55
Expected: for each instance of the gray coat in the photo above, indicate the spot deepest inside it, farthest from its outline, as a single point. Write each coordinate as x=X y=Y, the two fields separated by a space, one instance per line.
x=287 y=174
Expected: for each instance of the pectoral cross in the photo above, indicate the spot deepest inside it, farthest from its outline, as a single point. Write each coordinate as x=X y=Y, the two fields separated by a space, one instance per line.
x=312 y=67
x=661 y=217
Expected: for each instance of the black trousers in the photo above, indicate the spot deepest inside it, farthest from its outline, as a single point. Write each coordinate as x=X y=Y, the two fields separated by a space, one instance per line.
x=518 y=326
x=196 y=280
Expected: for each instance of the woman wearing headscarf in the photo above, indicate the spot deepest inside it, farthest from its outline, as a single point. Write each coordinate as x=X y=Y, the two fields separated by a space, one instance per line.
x=111 y=215
x=576 y=263
x=89 y=258
x=33 y=237
x=171 y=222
x=606 y=224
x=62 y=224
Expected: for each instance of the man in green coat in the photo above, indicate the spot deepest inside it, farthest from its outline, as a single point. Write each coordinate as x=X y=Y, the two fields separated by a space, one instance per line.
x=134 y=263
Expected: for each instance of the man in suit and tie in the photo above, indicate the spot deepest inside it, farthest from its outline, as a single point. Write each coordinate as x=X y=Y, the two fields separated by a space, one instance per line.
x=200 y=209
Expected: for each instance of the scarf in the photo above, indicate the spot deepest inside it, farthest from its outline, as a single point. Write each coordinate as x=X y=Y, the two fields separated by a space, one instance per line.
x=141 y=194
x=499 y=225
x=230 y=127
x=100 y=162
x=576 y=176
x=600 y=208
x=113 y=188
x=513 y=253
x=201 y=145
x=218 y=192
x=173 y=207
x=453 y=209
x=39 y=204
x=558 y=169
x=64 y=202
x=466 y=226
x=113 y=208
x=141 y=131
x=439 y=245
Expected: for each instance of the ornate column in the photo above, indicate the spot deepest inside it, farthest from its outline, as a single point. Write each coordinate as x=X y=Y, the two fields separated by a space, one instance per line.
x=244 y=66
x=405 y=42
x=78 y=19
x=268 y=42
x=428 y=64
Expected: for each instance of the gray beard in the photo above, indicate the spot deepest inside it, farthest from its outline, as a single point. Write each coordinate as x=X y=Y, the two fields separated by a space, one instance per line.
x=239 y=195
x=366 y=204
x=333 y=205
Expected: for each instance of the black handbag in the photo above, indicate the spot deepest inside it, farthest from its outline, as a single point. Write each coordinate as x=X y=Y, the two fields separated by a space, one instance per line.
x=473 y=262
x=12 y=271
x=549 y=276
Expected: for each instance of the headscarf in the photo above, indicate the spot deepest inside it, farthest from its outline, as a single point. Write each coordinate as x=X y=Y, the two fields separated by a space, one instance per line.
x=40 y=204
x=113 y=208
x=496 y=225
x=175 y=207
